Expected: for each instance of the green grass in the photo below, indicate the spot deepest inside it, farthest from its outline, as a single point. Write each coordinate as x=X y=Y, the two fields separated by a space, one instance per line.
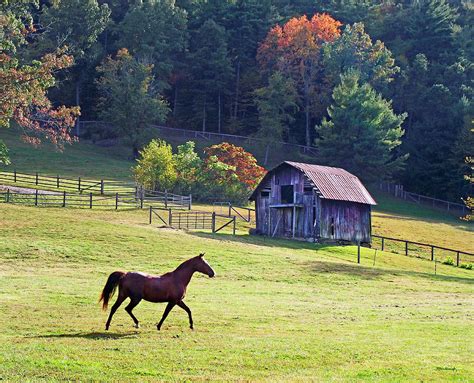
x=277 y=310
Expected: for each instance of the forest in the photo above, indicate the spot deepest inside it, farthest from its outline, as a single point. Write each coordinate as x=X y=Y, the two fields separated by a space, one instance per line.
x=382 y=88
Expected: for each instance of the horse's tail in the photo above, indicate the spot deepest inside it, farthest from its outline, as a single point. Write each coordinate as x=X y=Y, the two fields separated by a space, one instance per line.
x=110 y=287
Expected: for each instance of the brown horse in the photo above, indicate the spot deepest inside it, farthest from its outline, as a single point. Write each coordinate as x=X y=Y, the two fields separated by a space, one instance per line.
x=169 y=287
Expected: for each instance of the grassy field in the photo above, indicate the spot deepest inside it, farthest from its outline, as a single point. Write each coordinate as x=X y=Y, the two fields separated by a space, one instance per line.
x=277 y=310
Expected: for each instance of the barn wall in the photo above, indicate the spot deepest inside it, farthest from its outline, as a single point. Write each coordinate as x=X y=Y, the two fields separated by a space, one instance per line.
x=351 y=220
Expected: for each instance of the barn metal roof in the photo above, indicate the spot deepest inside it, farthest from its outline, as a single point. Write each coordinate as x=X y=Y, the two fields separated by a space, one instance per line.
x=333 y=183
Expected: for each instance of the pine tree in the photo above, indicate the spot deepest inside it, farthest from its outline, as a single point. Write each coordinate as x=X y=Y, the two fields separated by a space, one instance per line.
x=212 y=71
x=362 y=133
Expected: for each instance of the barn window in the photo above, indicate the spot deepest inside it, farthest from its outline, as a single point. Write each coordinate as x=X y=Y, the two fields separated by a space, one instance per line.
x=265 y=194
x=287 y=194
x=332 y=227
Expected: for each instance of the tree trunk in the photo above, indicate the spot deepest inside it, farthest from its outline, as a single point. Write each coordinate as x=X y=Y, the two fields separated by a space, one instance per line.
x=219 y=112
x=78 y=103
x=175 y=101
x=306 y=110
x=204 y=116
x=237 y=91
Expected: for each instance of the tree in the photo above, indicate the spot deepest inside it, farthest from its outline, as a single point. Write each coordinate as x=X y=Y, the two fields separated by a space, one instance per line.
x=211 y=70
x=295 y=50
x=276 y=105
x=355 y=49
x=155 y=169
x=75 y=25
x=188 y=167
x=24 y=83
x=154 y=31
x=242 y=163
x=129 y=100
x=362 y=133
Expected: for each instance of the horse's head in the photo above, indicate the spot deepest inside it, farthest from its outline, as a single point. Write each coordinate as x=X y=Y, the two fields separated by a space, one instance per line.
x=203 y=267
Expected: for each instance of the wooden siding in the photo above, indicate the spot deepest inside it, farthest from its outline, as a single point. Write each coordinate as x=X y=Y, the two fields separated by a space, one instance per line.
x=351 y=221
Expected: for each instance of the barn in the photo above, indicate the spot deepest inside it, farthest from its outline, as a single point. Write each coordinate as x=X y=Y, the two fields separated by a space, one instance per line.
x=313 y=202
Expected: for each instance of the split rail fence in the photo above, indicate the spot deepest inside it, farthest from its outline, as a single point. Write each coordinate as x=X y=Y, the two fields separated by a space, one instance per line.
x=421 y=250
x=192 y=220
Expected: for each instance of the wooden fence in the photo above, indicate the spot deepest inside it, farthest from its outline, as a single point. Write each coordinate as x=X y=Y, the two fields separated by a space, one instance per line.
x=80 y=185
x=399 y=192
x=192 y=220
x=421 y=250
x=226 y=208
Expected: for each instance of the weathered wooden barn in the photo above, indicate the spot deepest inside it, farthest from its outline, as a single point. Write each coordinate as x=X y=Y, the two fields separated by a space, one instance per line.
x=313 y=202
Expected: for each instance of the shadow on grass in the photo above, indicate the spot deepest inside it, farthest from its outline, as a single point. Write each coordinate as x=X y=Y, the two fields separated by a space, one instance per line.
x=89 y=335
x=262 y=240
x=365 y=272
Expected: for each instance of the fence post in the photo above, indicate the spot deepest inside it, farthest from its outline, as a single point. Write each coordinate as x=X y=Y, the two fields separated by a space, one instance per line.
x=36 y=197
x=166 y=199
x=90 y=200
x=170 y=217
x=8 y=195
x=230 y=209
x=233 y=229
x=457 y=258
x=101 y=186
x=14 y=176
x=151 y=210
x=190 y=201
x=141 y=200
x=57 y=181
x=406 y=247
x=358 y=252
x=383 y=243
x=249 y=215
x=79 y=184
x=213 y=222
x=36 y=178
x=64 y=198
x=116 y=200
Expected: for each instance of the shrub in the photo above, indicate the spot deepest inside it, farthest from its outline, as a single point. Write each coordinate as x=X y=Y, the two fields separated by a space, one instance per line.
x=155 y=167
x=188 y=168
x=448 y=261
x=467 y=266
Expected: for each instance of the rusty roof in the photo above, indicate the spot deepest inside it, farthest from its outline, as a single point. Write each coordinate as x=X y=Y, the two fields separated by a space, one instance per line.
x=333 y=183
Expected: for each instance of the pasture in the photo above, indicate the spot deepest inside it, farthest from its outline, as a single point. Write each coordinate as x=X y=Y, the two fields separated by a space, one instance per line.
x=277 y=310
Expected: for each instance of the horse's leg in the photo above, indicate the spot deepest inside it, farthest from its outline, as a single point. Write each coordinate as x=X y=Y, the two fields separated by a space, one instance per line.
x=186 y=308
x=133 y=302
x=116 y=305
x=168 y=308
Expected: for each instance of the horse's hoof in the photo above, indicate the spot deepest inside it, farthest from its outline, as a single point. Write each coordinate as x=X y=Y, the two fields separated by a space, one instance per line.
x=137 y=325
x=192 y=328
x=158 y=328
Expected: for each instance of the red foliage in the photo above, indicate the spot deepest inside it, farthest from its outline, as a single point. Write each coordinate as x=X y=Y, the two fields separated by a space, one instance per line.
x=244 y=163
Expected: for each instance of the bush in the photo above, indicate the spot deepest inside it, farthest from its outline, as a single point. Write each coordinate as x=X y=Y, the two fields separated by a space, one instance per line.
x=467 y=266
x=448 y=261
x=156 y=169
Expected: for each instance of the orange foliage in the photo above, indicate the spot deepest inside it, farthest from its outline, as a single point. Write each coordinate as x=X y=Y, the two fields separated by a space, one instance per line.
x=297 y=42
x=243 y=163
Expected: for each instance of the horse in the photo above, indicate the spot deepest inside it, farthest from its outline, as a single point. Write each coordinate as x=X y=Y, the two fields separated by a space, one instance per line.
x=169 y=287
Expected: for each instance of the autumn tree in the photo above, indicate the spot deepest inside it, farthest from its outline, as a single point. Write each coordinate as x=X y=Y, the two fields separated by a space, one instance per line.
x=24 y=83
x=242 y=163
x=362 y=131
x=295 y=50
x=129 y=100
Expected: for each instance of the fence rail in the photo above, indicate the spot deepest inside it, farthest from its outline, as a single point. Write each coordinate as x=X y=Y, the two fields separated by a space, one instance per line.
x=399 y=192
x=244 y=213
x=79 y=184
x=187 y=133
x=421 y=250
x=192 y=220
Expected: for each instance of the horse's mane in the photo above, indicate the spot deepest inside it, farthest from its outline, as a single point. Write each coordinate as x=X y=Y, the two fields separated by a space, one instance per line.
x=185 y=264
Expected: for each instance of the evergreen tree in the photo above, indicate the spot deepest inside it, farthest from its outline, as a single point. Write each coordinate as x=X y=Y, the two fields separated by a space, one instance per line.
x=362 y=133
x=212 y=71
x=129 y=100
